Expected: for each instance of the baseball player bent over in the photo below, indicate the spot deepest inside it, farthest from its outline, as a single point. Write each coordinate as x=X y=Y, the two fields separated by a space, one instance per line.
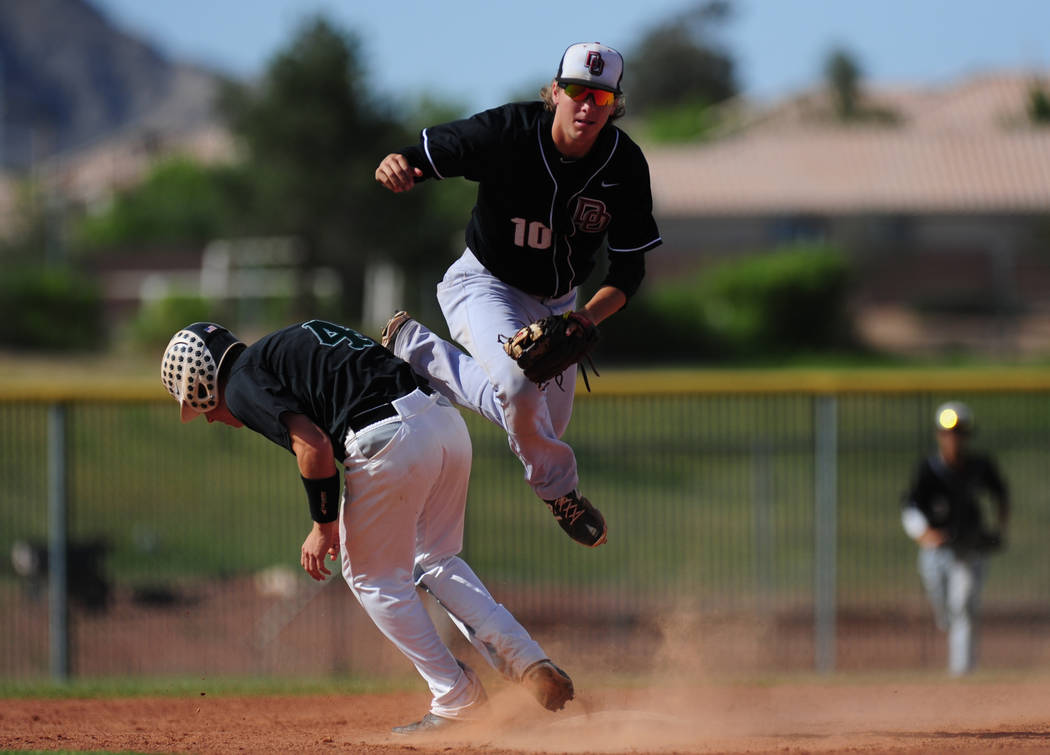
x=556 y=181
x=327 y=393
x=942 y=514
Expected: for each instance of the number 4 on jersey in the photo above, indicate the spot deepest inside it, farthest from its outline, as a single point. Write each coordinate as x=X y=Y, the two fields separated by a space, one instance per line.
x=330 y=334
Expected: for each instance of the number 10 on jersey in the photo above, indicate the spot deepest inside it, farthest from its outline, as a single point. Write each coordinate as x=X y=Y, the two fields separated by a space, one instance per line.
x=535 y=234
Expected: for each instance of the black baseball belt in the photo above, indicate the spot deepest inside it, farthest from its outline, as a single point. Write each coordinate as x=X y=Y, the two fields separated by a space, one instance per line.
x=362 y=419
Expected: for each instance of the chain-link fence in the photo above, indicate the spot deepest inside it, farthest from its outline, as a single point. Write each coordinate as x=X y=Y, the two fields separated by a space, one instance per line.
x=748 y=530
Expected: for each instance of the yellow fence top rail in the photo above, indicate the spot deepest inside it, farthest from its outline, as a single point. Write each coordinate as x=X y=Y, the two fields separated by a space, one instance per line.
x=71 y=389
x=622 y=382
x=819 y=381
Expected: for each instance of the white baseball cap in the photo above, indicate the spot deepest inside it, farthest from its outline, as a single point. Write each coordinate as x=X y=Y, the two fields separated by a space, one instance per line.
x=593 y=65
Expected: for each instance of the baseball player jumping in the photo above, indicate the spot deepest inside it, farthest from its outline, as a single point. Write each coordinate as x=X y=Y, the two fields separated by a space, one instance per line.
x=556 y=181
x=327 y=393
x=942 y=514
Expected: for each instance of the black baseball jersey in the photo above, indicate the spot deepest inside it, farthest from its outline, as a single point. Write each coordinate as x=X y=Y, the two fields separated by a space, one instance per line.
x=540 y=218
x=328 y=372
x=949 y=497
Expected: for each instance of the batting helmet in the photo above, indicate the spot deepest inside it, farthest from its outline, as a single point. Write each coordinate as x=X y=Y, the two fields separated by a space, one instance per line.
x=954 y=416
x=191 y=363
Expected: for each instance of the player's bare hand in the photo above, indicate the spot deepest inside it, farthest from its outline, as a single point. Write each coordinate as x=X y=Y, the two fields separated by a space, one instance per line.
x=396 y=174
x=322 y=541
x=932 y=538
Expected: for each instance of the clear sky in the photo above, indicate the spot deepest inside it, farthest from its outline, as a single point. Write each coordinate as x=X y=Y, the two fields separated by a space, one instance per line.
x=481 y=52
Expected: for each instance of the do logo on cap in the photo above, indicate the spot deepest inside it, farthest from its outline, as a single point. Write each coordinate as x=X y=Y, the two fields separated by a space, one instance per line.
x=595 y=64
x=591 y=64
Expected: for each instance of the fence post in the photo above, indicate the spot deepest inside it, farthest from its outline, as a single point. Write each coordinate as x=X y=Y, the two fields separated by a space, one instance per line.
x=57 y=542
x=826 y=531
x=762 y=541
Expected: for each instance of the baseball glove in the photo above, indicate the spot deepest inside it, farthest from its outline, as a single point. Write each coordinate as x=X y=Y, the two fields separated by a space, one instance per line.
x=546 y=348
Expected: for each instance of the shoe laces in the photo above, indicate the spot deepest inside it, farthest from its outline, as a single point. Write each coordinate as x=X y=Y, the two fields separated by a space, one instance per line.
x=568 y=507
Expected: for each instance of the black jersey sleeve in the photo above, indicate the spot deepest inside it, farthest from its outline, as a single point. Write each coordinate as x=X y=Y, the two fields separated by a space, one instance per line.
x=922 y=489
x=993 y=479
x=996 y=485
x=634 y=228
x=460 y=148
x=626 y=270
x=259 y=401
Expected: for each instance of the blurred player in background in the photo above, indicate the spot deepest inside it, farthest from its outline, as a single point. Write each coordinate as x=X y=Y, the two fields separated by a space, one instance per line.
x=556 y=182
x=942 y=514
x=329 y=394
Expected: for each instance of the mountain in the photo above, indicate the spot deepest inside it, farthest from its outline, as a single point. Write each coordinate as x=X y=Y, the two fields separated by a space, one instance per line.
x=70 y=78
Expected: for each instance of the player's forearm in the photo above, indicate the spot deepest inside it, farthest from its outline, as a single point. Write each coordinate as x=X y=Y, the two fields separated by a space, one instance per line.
x=316 y=462
x=313 y=451
x=606 y=301
x=312 y=448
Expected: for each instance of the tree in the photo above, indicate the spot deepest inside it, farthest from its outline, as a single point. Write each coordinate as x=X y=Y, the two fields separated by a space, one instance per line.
x=1038 y=104
x=46 y=303
x=842 y=75
x=179 y=203
x=680 y=62
x=842 y=80
x=312 y=137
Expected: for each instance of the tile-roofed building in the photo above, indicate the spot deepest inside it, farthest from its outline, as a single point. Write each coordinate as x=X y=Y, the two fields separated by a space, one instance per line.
x=965 y=149
x=855 y=170
x=945 y=193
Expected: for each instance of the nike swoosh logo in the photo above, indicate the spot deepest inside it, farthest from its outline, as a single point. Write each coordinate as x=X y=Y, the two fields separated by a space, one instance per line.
x=608 y=184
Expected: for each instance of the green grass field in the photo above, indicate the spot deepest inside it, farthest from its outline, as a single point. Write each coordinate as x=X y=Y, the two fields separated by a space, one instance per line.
x=182 y=686
x=709 y=492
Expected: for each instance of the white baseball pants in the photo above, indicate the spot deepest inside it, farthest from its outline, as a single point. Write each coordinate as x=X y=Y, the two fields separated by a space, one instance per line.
x=953 y=585
x=479 y=309
x=401 y=524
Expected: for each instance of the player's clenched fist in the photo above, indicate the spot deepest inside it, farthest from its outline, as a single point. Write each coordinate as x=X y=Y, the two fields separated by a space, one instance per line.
x=396 y=174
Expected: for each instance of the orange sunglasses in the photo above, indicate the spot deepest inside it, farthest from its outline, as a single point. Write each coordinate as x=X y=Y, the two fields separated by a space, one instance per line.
x=579 y=93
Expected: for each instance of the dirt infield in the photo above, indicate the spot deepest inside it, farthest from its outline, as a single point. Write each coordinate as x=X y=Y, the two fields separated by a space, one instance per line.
x=837 y=716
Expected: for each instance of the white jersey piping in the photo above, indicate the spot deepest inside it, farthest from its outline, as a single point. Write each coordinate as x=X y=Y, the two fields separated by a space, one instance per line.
x=430 y=159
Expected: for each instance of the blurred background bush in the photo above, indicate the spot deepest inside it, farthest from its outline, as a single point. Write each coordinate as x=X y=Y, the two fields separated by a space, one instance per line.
x=789 y=300
x=50 y=308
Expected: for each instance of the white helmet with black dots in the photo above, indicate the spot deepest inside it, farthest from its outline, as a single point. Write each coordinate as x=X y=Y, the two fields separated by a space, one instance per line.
x=191 y=363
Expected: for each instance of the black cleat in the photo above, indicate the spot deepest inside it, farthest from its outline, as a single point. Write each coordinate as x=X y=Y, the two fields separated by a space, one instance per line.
x=583 y=523
x=551 y=686
x=428 y=724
